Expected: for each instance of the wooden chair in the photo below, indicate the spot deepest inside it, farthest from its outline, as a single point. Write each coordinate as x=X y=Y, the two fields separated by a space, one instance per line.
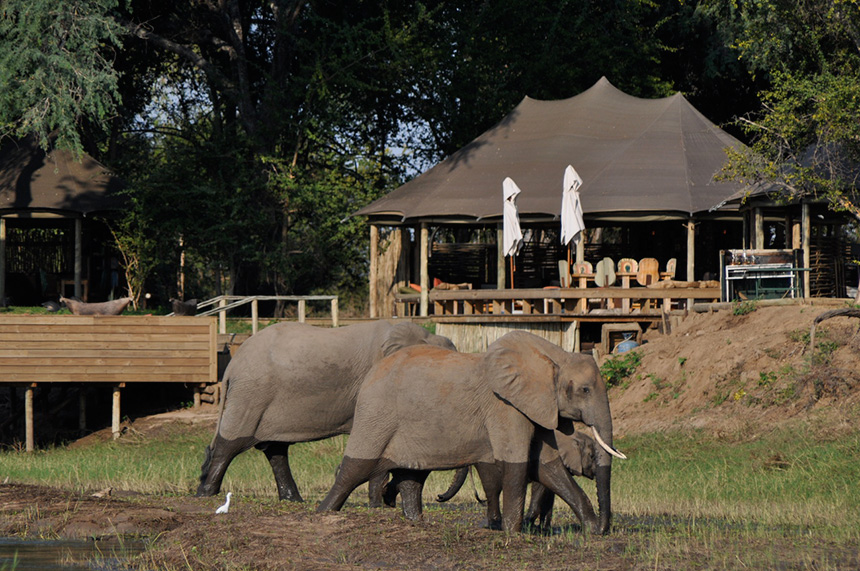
x=582 y=272
x=627 y=268
x=670 y=269
x=563 y=273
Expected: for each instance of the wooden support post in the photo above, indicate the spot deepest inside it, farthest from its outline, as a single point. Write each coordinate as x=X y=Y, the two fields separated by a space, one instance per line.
x=78 y=260
x=114 y=424
x=82 y=410
x=500 y=258
x=425 y=271
x=222 y=317
x=759 y=228
x=335 y=318
x=374 y=270
x=196 y=396
x=691 y=254
x=806 y=236
x=255 y=315
x=302 y=310
x=28 y=419
x=2 y=259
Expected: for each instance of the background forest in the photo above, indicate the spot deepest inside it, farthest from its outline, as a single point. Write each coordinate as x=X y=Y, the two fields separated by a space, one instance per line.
x=248 y=131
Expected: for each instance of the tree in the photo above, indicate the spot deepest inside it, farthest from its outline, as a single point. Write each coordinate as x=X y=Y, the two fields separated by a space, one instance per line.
x=806 y=137
x=56 y=68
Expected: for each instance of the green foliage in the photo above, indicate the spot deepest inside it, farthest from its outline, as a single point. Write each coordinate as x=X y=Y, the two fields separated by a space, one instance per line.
x=744 y=307
x=56 y=68
x=618 y=367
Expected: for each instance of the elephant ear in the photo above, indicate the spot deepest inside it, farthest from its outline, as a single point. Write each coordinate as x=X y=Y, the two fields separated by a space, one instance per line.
x=402 y=335
x=519 y=371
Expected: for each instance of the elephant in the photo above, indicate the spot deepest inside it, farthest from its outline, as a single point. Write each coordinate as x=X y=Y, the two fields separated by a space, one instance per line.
x=550 y=450
x=424 y=409
x=293 y=382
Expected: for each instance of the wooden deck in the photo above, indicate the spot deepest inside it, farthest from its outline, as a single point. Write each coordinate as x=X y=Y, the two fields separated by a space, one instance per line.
x=114 y=350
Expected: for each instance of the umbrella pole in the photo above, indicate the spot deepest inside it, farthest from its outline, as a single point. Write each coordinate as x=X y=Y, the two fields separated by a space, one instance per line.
x=512 y=272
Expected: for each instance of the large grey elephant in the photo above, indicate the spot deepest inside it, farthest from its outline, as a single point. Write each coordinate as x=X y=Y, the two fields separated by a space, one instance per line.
x=426 y=409
x=293 y=382
x=556 y=457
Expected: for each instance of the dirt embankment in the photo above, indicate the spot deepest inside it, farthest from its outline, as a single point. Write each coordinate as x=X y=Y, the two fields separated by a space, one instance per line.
x=744 y=373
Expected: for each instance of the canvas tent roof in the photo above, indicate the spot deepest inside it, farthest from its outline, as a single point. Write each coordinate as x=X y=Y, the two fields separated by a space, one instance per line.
x=638 y=158
x=32 y=181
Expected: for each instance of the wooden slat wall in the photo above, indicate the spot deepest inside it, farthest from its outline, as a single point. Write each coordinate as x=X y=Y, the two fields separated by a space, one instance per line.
x=107 y=349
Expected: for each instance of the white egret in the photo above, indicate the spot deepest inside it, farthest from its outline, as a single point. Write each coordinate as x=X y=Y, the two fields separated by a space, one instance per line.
x=226 y=507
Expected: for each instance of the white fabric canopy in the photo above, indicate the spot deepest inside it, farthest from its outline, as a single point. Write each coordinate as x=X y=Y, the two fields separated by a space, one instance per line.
x=513 y=235
x=572 y=224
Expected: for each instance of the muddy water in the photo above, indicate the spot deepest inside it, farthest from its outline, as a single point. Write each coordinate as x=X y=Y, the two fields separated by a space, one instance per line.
x=64 y=555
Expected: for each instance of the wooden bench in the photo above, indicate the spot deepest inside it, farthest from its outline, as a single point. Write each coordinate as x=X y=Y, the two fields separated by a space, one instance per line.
x=116 y=350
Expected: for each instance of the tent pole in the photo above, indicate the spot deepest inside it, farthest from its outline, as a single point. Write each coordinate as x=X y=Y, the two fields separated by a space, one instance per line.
x=500 y=258
x=78 y=259
x=374 y=269
x=2 y=261
x=806 y=234
x=425 y=278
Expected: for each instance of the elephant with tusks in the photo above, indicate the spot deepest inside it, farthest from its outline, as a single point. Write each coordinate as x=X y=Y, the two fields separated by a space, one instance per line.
x=424 y=409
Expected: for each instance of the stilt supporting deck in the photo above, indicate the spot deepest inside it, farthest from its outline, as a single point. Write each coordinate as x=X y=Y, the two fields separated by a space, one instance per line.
x=28 y=419
x=114 y=425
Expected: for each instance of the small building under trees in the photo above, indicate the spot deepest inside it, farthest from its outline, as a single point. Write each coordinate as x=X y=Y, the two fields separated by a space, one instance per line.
x=52 y=240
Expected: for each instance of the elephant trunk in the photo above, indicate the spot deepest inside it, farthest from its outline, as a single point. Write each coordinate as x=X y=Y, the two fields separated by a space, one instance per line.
x=602 y=476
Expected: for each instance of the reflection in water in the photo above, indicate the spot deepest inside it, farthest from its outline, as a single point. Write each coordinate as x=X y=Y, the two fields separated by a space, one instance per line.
x=65 y=555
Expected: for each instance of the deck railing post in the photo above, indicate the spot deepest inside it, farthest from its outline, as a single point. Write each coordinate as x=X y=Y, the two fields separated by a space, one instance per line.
x=28 y=419
x=302 y=309
x=114 y=424
x=255 y=315
x=222 y=317
x=334 y=313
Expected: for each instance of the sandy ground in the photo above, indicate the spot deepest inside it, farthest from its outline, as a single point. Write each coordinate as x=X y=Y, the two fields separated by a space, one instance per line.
x=736 y=376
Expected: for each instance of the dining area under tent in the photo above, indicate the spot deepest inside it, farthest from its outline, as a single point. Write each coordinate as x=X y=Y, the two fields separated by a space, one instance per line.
x=648 y=187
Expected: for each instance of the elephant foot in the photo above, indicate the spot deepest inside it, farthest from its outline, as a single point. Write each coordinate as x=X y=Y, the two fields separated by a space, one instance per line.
x=493 y=524
x=290 y=496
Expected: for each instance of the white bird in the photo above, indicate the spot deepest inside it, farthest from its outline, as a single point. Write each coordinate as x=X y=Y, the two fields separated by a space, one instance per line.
x=226 y=507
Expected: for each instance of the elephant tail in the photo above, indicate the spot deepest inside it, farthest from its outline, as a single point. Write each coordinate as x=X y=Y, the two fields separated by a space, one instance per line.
x=457 y=483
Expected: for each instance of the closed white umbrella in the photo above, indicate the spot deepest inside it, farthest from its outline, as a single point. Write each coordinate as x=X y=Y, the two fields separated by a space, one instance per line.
x=572 y=224
x=512 y=234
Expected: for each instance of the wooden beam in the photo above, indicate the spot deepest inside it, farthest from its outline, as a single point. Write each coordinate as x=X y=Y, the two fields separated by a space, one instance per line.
x=500 y=258
x=28 y=419
x=759 y=228
x=78 y=260
x=2 y=261
x=115 y=413
x=806 y=235
x=424 y=270
x=374 y=270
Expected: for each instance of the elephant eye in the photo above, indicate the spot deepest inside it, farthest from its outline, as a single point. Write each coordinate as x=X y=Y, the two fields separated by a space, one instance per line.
x=586 y=390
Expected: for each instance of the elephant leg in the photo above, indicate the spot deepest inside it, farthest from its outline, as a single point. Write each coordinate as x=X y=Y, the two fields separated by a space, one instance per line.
x=277 y=455
x=540 y=506
x=352 y=473
x=558 y=480
x=410 y=484
x=514 y=479
x=491 y=480
x=218 y=458
x=378 y=494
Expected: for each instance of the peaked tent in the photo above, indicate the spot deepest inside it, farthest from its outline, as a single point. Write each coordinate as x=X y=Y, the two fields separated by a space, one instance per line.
x=634 y=155
x=639 y=159
x=38 y=186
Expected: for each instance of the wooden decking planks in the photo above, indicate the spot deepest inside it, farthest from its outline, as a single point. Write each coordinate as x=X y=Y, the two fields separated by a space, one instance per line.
x=115 y=349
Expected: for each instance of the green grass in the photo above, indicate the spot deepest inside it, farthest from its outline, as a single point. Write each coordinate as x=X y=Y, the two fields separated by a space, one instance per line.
x=788 y=497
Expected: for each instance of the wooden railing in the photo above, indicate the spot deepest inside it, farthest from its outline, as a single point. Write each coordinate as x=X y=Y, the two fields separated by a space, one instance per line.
x=224 y=303
x=620 y=301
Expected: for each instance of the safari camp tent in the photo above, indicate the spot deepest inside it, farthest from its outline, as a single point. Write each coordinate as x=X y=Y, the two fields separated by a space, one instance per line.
x=649 y=170
x=50 y=241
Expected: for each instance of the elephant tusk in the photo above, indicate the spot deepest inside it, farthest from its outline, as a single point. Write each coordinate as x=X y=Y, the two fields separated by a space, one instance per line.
x=605 y=446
